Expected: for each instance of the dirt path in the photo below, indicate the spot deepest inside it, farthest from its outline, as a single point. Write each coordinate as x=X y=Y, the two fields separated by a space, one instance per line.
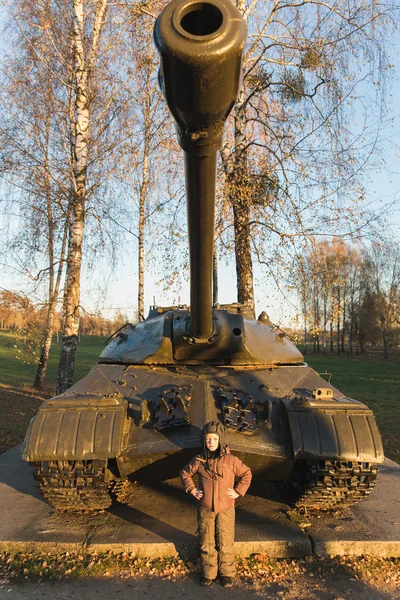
x=17 y=407
x=337 y=586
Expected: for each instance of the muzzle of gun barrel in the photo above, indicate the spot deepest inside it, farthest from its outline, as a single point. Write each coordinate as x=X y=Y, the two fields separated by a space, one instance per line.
x=200 y=46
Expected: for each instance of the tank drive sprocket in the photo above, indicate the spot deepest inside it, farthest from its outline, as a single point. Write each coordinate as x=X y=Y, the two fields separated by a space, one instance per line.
x=74 y=485
x=329 y=484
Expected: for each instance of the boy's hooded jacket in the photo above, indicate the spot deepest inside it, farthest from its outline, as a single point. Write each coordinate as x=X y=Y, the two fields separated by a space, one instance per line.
x=216 y=474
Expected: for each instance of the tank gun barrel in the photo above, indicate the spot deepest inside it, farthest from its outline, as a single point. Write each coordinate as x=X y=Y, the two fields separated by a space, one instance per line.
x=200 y=46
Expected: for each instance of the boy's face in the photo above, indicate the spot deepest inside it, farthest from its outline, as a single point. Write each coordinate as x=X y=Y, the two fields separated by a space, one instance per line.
x=211 y=441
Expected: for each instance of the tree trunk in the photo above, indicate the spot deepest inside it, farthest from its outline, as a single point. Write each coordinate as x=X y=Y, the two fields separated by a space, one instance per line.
x=350 y=330
x=141 y=316
x=343 y=323
x=54 y=285
x=385 y=343
x=238 y=197
x=215 y=275
x=71 y=307
x=44 y=355
x=325 y=323
x=356 y=334
x=48 y=336
x=305 y=338
x=244 y=265
x=331 y=335
x=83 y=66
x=317 y=317
x=338 y=336
x=142 y=203
x=314 y=309
x=144 y=191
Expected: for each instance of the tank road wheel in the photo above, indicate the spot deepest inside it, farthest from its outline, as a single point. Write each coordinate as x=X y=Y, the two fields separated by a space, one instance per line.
x=330 y=483
x=73 y=485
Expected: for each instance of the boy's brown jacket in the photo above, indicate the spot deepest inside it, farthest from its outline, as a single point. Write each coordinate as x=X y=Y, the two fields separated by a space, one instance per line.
x=215 y=477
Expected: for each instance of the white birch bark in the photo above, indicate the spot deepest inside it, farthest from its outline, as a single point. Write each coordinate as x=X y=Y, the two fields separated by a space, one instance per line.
x=144 y=192
x=215 y=275
x=84 y=64
x=54 y=280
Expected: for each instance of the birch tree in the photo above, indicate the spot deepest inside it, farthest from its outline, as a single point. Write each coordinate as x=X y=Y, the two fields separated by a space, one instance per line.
x=55 y=267
x=147 y=157
x=97 y=108
x=79 y=45
x=85 y=40
x=152 y=132
x=36 y=178
x=292 y=159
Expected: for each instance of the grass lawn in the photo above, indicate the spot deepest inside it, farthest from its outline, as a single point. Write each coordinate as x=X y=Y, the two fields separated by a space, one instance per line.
x=18 y=400
x=373 y=380
x=15 y=372
x=368 y=378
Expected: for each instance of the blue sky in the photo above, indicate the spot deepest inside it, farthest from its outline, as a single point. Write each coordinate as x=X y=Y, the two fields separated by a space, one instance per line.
x=383 y=190
x=109 y=289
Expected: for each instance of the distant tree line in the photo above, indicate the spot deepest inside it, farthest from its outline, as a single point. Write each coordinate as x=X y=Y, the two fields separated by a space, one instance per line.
x=349 y=296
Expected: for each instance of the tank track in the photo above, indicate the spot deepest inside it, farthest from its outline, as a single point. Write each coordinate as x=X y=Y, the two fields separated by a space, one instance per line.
x=73 y=485
x=330 y=483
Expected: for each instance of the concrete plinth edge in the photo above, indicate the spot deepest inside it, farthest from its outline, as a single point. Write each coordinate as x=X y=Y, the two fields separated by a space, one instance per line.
x=48 y=547
x=151 y=550
x=275 y=549
x=381 y=549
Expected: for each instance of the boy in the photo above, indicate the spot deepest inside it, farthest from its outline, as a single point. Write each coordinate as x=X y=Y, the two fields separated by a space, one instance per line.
x=216 y=469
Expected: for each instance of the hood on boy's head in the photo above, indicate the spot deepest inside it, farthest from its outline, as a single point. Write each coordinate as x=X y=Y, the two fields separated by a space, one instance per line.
x=217 y=428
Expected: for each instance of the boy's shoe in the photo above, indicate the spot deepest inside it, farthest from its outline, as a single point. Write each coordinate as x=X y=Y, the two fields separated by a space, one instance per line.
x=206 y=582
x=226 y=582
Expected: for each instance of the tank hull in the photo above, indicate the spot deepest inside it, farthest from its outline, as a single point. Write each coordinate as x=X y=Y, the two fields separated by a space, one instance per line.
x=114 y=413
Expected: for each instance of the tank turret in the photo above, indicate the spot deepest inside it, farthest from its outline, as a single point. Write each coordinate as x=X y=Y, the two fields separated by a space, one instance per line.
x=141 y=409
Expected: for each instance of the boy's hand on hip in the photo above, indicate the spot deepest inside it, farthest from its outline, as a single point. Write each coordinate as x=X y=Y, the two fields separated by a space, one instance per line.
x=197 y=493
x=232 y=494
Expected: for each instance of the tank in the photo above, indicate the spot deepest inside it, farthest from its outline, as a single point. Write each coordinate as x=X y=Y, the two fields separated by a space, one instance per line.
x=140 y=411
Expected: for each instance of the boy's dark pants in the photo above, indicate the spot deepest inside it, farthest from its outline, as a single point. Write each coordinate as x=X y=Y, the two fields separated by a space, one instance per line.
x=216 y=538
